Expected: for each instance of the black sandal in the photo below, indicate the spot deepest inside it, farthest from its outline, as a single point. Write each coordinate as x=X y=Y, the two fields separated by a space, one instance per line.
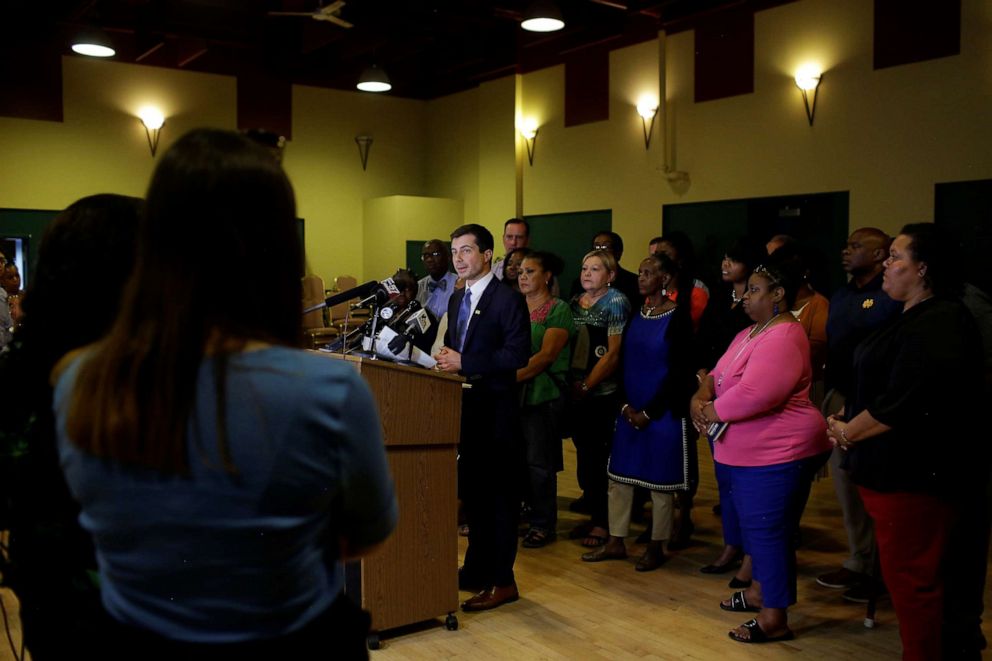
x=738 y=604
x=757 y=635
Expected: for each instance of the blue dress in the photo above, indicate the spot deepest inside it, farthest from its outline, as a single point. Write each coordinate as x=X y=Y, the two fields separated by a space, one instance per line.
x=655 y=457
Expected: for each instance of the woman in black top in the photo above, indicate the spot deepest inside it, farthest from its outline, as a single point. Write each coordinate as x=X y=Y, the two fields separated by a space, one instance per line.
x=906 y=428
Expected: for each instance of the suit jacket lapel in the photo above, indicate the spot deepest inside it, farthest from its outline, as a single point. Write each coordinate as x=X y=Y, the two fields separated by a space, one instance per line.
x=480 y=309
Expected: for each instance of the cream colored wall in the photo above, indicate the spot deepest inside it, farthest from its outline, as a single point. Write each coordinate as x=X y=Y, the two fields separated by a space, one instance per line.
x=392 y=221
x=101 y=147
x=886 y=136
x=470 y=153
x=324 y=165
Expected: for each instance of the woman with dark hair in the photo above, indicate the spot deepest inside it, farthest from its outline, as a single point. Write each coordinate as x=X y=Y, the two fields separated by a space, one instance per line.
x=722 y=322
x=50 y=562
x=650 y=446
x=222 y=472
x=600 y=314
x=544 y=384
x=916 y=382
x=511 y=271
x=679 y=249
x=771 y=448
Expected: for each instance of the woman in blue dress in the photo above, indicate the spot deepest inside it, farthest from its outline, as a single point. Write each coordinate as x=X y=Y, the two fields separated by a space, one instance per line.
x=650 y=446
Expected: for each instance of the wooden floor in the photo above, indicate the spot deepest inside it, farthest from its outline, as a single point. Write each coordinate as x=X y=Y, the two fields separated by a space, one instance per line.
x=574 y=610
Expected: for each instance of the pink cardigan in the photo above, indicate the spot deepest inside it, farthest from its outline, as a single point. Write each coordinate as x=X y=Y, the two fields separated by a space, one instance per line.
x=762 y=390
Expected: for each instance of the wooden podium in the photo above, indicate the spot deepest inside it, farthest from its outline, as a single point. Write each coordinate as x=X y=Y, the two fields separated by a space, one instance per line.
x=414 y=577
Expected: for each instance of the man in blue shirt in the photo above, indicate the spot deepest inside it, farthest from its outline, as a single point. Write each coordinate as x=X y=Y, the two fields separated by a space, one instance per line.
x=856 y=310
x=434 y=289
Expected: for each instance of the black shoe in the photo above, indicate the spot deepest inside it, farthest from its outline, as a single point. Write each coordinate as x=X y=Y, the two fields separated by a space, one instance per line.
x=862 y=592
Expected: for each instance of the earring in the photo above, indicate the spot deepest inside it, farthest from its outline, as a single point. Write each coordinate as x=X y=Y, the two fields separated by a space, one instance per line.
x=775 y=309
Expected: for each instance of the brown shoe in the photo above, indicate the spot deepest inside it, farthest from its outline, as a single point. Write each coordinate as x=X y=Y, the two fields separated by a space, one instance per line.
x=604 y=553
x=654 y=557
x=491 y=598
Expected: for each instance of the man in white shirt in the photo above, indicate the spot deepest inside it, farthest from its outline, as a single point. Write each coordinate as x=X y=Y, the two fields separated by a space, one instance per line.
x=516 y=234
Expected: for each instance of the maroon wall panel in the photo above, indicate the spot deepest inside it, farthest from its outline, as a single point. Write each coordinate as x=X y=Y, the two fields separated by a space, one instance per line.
x=725 y=55
x=265 y=103
x=916 y=30
x=31 y=80
x=587 y=87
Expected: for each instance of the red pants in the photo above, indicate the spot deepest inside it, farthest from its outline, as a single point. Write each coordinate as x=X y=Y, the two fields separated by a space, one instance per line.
x=911 y=530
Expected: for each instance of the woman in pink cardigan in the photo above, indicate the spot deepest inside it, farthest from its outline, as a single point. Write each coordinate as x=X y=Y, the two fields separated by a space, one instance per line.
x=774 y=443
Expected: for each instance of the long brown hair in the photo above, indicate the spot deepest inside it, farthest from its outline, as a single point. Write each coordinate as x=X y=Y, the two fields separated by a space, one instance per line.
x=218 y=265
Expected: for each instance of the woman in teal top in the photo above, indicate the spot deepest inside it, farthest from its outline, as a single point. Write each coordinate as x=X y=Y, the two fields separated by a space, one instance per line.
x=600 y=314
x=543 y=379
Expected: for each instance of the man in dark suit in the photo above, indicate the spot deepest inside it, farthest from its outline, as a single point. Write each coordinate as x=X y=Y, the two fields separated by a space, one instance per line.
x=487 y=341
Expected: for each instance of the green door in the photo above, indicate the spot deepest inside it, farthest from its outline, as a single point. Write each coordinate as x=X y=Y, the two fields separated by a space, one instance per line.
x=568 y=235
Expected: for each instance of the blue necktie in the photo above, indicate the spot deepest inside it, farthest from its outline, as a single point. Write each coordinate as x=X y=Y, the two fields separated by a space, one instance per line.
x=464 y=311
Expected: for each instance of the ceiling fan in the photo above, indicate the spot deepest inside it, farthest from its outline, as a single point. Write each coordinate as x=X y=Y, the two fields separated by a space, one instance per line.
x=321 y=13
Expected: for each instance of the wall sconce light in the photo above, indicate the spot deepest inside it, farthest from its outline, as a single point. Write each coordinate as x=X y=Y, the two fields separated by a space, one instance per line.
x=542 y=16
x=648 y=110
x=364 y=143
x=529 y=133
x=374 y=79
x=153 y=120
x=808 y=80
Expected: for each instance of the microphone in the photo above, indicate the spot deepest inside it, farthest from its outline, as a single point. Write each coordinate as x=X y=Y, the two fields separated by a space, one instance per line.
x=380 y=293
x=400 y=318
x=415 y=323
x=360 y=291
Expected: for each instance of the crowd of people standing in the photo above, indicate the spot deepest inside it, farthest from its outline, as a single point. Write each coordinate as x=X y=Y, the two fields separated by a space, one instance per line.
x=789 y=384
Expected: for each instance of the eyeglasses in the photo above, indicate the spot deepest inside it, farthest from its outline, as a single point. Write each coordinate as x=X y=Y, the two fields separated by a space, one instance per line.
x=603 y=246
x=435 y=255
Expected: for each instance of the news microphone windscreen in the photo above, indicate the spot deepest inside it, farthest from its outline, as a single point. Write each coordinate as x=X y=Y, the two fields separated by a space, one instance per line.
x=361 y=291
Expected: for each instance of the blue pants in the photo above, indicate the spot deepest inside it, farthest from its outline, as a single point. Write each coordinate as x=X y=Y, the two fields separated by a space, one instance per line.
x=769 y=501
x=728 y=512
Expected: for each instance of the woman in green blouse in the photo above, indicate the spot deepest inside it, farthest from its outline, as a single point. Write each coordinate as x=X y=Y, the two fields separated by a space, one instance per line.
x=543 y=379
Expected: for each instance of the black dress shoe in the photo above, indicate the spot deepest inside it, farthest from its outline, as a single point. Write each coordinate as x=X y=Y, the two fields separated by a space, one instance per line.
x=492 y=598
x=732 y=565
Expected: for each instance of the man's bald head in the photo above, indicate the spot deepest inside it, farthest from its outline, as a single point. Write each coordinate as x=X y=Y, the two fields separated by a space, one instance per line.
x=864 y=252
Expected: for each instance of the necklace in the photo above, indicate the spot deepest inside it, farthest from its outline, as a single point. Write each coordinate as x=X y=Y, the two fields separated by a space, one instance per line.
x=740 y=350
x=758 y=331
x=734 y=297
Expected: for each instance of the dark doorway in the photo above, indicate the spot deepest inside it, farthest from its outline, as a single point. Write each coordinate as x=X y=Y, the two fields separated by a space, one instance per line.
x=965 y=209
x=819 y=221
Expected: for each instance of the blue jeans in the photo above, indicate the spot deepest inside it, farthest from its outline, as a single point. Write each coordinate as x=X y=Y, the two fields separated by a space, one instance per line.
x=770 y=501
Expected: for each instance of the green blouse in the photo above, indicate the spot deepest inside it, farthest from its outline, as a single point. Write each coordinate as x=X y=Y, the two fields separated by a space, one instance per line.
x=547 y=385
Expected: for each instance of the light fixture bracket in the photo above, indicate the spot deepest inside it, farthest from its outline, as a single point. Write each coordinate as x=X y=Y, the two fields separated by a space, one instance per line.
x=530 y=139
x=812 y=84
x=364 y=143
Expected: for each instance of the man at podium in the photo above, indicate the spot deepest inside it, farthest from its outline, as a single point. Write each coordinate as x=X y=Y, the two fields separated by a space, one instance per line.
x=487 y=340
